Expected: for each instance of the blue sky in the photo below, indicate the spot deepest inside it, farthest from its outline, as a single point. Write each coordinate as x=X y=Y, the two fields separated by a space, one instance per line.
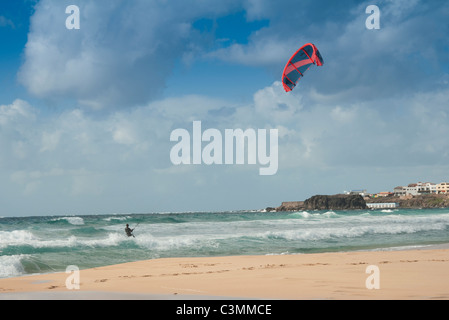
x=86 y=115
x=14 y=25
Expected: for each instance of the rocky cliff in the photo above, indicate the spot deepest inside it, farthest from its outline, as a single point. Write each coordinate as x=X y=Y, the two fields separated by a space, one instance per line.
x=289 y=206
x=356 y=202
x=335 y=202
x=324 y=202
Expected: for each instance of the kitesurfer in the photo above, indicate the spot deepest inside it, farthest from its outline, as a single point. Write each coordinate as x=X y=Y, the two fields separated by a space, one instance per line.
x=129 y=231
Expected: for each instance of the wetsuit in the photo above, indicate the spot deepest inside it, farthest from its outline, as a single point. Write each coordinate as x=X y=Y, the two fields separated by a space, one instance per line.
x=129 y=232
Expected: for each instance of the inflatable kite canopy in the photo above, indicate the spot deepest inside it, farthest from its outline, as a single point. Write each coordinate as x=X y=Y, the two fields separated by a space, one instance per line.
x=299 y=63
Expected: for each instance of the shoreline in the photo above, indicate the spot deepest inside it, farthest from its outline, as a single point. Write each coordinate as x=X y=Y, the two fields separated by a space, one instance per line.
x=387 y=249
x=421 y=273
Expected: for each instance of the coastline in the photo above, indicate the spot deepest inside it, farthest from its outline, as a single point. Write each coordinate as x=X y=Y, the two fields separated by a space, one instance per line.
x=357 y=202
x=403 y=274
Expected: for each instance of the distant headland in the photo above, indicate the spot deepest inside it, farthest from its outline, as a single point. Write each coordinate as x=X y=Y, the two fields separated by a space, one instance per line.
x=324 y=202
x=420 y=195
x=358 y=202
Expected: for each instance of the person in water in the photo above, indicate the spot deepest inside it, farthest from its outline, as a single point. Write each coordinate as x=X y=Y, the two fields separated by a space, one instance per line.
x=129 y=231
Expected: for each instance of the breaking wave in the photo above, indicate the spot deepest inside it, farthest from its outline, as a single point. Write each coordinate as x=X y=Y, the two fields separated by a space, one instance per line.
x=77 y=221
x=45 y=244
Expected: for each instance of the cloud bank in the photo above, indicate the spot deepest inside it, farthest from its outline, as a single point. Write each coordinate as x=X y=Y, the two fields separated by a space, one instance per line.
x=123 y=159
x=120 y=57
x=374 y=116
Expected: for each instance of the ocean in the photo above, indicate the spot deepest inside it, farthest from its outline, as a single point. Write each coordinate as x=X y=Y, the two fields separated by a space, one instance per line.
x=35 y=245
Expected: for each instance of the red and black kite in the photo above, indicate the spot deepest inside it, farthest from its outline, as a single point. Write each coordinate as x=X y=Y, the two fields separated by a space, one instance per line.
x=299 y=63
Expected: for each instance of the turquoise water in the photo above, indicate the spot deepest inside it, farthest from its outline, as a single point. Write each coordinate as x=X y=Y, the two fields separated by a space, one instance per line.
x=31 y=245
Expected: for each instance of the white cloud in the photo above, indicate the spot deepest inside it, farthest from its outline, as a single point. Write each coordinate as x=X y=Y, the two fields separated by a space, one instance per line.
x=18 y=109
x=272 y=103
x=124 y=136
x=83 y=160
x=405 y=55
x=118 y=61
x=262 y=53
x=343 y=116
x=120 y=57
x=50 y=141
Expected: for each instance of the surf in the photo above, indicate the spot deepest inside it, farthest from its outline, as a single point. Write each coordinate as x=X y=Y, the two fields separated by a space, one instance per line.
x=47 y=244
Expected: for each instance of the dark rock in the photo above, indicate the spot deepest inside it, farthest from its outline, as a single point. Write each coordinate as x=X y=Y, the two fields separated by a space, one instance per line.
x=335 y=202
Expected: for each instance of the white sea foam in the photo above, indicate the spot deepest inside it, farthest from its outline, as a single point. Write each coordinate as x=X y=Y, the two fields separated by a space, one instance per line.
x=77 y=221
x=11 y=266
x=213 y=234
x=164 y=243
x=112 y=239
x=16 y=237
x=329 y=214
x=26 y=238
x=306 y=214
x=303 y=214
x=346 y=231
x=119 y=218
x=308 y=226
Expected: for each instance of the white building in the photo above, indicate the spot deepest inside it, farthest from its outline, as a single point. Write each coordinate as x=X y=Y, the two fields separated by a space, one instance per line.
x=442 y=188
x=420 y=188
x=426 y=187
x=399 y=191
x=390 y=205
x=357 y=192
x=415 y=189
x=411 y=189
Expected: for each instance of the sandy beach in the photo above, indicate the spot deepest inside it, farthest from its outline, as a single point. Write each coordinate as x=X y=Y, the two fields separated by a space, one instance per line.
x=412 y=274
